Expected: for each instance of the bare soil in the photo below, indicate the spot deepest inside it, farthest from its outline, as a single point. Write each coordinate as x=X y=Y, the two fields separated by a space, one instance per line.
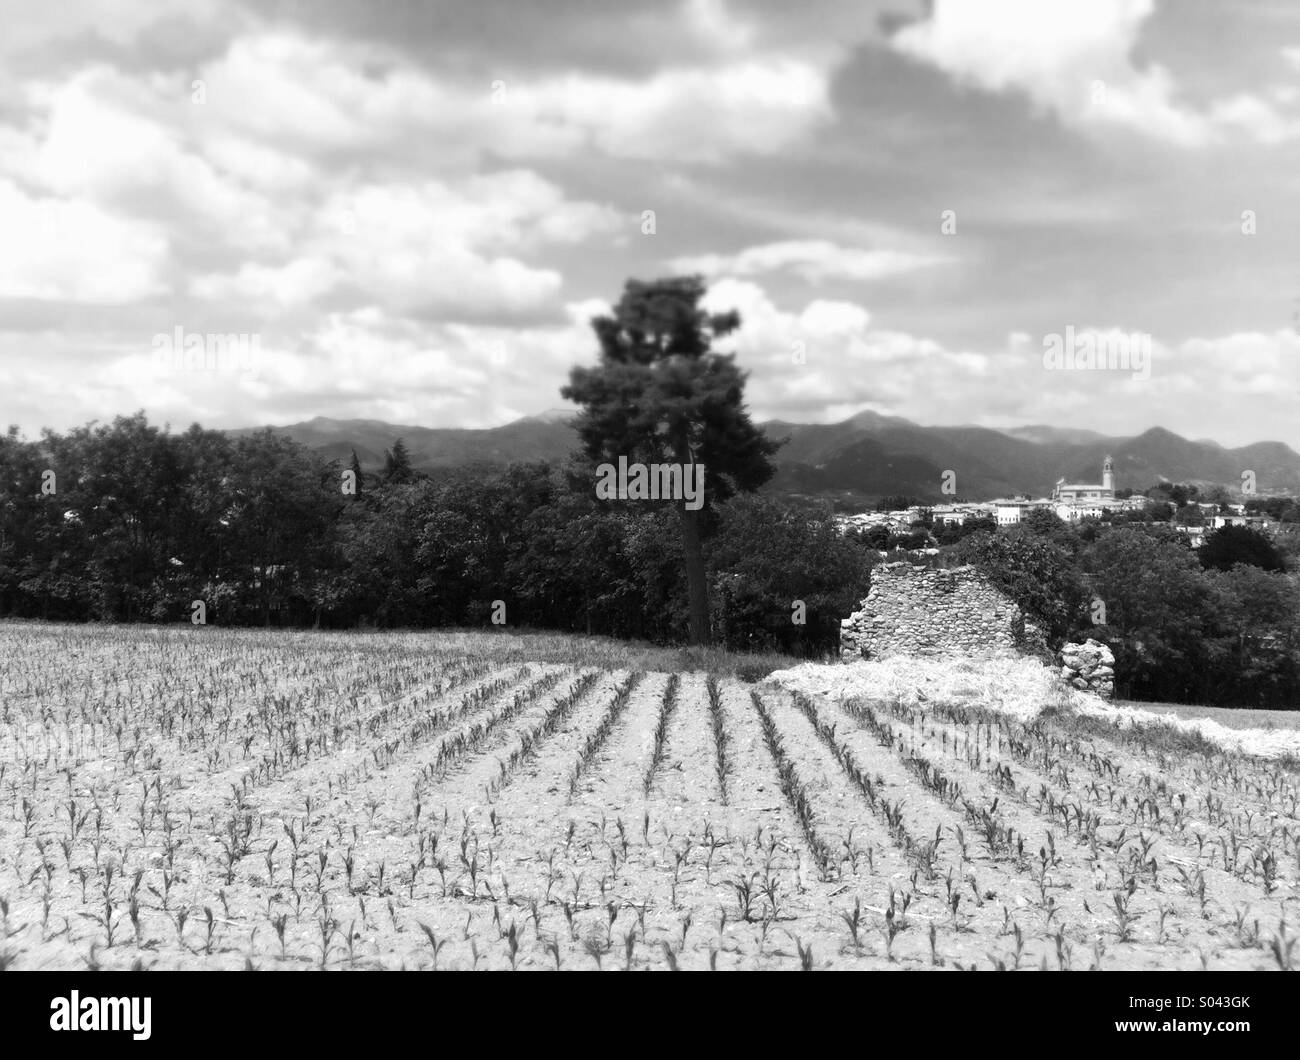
x=201 y=798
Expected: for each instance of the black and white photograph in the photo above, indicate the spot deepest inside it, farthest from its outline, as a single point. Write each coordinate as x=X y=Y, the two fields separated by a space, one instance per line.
x=653 y=485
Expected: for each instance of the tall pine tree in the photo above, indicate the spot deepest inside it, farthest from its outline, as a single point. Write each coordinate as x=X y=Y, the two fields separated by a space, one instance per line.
x=356 y=472
x=397 y=464
x=661 y=395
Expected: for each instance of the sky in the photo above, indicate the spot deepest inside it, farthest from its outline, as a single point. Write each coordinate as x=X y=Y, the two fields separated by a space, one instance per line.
x=410 y=211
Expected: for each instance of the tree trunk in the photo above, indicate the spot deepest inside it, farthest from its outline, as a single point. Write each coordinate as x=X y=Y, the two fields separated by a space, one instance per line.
x=697 y=584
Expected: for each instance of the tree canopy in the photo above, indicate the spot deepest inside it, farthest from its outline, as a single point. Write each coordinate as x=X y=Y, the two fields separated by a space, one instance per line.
x=660 y=394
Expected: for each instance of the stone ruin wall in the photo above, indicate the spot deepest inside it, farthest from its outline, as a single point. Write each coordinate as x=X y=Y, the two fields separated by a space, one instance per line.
x=912 y=610
x=1089 y=666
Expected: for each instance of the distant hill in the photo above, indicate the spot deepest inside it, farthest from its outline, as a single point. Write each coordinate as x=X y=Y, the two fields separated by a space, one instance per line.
x=859 y=459
x=544 y=437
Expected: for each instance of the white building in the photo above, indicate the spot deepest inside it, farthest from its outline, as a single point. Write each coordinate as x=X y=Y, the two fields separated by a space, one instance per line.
x=1257 y=522
x=1085 y=492
x=1010 y=511
x=1072 y=512
x=957 y=514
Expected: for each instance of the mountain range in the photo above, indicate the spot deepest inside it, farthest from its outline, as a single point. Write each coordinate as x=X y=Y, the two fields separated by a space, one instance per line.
x=858 y=459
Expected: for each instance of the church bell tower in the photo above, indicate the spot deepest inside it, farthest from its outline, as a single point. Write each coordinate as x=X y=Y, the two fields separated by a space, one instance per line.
x=1108 y=475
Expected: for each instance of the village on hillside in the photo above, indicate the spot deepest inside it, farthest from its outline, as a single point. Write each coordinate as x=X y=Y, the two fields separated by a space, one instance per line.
x=918 y=527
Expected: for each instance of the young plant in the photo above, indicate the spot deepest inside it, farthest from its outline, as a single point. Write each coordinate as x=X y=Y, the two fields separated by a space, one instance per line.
x=666 y=709
x=1282 y=946
x=853 y=921
x=435 y=944
x=720 y=738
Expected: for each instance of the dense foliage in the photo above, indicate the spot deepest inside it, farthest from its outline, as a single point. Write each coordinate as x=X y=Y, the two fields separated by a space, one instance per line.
x=138 y=524
x=1182 y=629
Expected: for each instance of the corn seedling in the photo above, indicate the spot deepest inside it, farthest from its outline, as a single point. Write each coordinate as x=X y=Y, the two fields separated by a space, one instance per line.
x=1282 y=946
x=853 y=921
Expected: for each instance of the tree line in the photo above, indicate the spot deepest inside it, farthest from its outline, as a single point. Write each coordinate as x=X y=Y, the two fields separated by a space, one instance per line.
x=126 y=522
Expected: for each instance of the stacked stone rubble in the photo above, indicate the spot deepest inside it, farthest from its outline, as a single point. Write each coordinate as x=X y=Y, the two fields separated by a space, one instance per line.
x=1089 y=666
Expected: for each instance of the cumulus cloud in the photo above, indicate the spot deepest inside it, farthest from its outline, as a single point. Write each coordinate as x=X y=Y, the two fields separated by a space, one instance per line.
x=129 y=157
x=330 y=97
x=756 y=106
x=120 y=143
x=826 y=361
x=362 y=363
x=430 y=247
x=60 y=250
x=1075 y=59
